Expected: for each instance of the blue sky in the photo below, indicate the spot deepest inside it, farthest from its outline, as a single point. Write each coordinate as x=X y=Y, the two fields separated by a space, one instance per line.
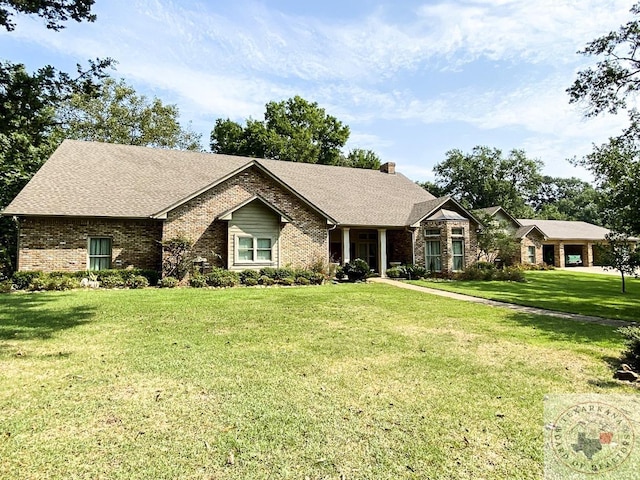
x=412 y=79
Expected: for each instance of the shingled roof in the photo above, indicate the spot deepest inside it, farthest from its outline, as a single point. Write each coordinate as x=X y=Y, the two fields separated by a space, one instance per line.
x=106 y=180
x=567 y=229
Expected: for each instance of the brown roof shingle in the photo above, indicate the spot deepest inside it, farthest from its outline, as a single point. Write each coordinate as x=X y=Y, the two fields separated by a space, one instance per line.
x=107 y=180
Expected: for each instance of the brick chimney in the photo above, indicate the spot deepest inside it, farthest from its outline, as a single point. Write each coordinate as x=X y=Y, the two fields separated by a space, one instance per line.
x=389 y=167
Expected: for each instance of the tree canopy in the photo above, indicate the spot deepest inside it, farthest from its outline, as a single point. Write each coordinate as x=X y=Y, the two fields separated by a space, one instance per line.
x=567 y=199
x=606 y=88
x=485 y=177
x=293 y=130
x=55 y=12
x=117 y=114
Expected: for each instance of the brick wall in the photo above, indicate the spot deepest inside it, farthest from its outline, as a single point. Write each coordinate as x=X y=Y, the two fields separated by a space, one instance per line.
x=62 y=243
x=302 y=241
x=531 y=240
x=470 y=241
x=399 y=246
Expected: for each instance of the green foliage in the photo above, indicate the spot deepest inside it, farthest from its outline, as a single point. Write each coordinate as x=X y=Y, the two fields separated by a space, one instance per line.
x=138 y=281
x=219 y=277
x=177 y=257
x=485 y=178
x=567 y=199
x=197 y=281
x=631 y=335
x=117 y=114
x=29 y=129
x=413 y=272
x=606 y=88
x=621 y=254
x=293 y=130
x=53 y=12
x=168 y=282
x=485 y=273
x=250 y=281
x=6 y=286
x=303 y=281
x=287 y=281
x=356 y=270
x=112 y=280
x=22 y=280
x=269 y=272
x=395 y=272
x=317 y=278
x=266 y=280
x=495 y=241
x=247 y=275
x=361 y=158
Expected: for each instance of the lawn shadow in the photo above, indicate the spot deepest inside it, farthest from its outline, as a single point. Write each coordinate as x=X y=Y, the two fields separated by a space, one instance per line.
x=35 y=316
x=563 y=329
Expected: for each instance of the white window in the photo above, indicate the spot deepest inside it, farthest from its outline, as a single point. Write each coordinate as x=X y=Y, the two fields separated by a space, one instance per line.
x=531 y=254
x=254 y=250
x=99 y=253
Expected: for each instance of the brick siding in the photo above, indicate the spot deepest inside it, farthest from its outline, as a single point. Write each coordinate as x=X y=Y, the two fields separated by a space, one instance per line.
x=302 y=241
x=62 y=243
x=470 y=242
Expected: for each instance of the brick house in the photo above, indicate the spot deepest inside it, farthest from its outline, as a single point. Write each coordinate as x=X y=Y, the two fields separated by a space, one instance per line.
x=95 y=205
x=554 y=242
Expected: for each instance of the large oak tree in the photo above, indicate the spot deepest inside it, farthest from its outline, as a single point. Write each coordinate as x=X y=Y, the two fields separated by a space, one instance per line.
x=611 y=86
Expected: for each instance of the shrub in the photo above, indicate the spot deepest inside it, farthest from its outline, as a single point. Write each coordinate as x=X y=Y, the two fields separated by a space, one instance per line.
x=168 y=282
x=511 y=274
x=357 y=270
x=282 y=273
x=138 y=281
x=395 y=272
x=288 y=281
x=302 y=281
x=23 y=280
x=60 y=283
x=220 y=277
x=249 y=274
x=266 y=280
x=111 y=281
x=268 y=272
x=317 y=278
x=340 y=272
x=251 y=282
x=6 y=286
x=308 y=274
x=632 y=342
x=413 y=272
x=38 y=283
x=197 y=281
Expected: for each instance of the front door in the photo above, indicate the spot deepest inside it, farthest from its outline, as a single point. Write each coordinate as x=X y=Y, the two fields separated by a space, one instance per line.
x=366 y=248
x=548 y=254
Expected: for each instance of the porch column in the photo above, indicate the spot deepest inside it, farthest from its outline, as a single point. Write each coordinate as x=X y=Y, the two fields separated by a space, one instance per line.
x=346 y=246
x=560 y=255
x=589 y=256
x=382 y=246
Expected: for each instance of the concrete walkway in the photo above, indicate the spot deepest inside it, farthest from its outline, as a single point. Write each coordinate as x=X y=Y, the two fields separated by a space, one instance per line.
x=519 y=308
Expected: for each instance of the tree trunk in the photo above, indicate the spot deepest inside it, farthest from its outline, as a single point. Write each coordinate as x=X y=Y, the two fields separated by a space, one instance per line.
x=624 y=290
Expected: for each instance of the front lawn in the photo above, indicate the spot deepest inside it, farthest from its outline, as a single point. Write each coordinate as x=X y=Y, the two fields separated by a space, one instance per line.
x=341 y=381
x=565 y=291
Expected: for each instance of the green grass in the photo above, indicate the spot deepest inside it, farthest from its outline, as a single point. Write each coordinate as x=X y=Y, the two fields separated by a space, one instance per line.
x=564 y=291
x=348 y=381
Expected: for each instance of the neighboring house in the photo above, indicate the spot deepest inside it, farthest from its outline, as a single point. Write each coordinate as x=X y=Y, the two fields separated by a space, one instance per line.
x=554 y=242
x=530 y=237
x=95 y=205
